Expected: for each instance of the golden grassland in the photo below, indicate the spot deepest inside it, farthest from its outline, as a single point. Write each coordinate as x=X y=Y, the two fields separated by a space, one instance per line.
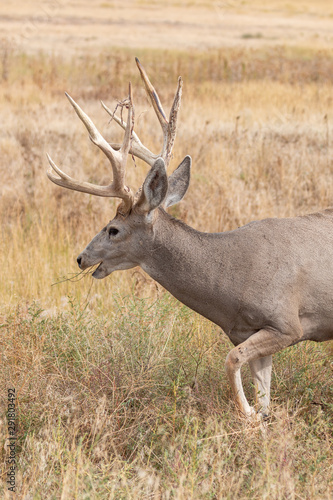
x=70 y=28
x=256 y=124
x=121 y=389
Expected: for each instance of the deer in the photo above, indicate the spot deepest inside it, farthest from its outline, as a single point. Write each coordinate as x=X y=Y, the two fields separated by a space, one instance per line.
x=268 y=284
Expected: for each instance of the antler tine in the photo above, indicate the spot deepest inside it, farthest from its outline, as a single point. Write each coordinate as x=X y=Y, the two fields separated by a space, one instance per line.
x=68 y=182
x=129 y=126
x=153 y=97
x=117 y=159
x=169 y=127
x=101 y=143
x=172 y=129
x=136 y=148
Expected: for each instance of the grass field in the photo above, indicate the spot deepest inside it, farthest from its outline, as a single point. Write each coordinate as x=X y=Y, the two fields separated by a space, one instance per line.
x=121 y=390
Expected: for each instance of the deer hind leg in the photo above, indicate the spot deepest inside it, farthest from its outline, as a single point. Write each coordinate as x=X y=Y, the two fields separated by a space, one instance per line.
x=261 y=370
x=256 y=351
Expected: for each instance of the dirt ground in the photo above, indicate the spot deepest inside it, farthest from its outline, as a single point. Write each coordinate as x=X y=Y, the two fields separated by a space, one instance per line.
x=78 y=26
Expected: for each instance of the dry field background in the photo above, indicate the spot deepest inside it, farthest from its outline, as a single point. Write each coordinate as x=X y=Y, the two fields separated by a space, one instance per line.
x=121 y=389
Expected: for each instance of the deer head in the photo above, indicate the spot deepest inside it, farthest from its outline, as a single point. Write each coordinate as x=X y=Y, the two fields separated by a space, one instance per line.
x=121 y=243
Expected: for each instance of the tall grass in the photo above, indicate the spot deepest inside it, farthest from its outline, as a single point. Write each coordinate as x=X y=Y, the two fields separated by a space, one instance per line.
x=136 y=405
x=122 y=392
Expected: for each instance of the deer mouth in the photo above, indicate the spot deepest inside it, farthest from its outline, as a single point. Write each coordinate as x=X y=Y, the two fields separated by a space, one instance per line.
x=97 y=271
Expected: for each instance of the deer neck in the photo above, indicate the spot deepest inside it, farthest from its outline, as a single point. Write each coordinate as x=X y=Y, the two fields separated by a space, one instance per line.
x=184 y=262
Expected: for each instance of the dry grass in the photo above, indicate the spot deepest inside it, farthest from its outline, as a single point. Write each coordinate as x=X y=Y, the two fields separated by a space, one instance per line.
x=137 y=406
x=122 y=396
x=264 y=133
x=81 y=26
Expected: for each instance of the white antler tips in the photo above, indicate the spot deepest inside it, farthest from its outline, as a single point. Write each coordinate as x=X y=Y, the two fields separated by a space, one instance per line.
x=94 y=135
x=152 y=94
x=51 y=162
x=56 y=169
x=71 y=100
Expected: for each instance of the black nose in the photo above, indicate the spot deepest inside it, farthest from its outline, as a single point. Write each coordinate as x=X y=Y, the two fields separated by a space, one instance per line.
x=79 y=260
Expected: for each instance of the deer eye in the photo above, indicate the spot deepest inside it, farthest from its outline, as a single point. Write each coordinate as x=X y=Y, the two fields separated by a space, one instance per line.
x=113 y=231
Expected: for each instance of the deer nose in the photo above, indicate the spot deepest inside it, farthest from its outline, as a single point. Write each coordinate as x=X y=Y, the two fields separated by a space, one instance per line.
x=79 y=260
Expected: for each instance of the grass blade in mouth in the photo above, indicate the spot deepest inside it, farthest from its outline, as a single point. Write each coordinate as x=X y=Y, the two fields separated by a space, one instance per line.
x=74 y=277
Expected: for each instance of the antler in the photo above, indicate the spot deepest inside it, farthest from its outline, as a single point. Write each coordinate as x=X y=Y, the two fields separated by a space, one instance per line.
x=117 y=157
x=117 y=153
x=169 y=127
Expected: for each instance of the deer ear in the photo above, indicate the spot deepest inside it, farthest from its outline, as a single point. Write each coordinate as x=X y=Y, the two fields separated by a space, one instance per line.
x=154 y=188
x=179 y=182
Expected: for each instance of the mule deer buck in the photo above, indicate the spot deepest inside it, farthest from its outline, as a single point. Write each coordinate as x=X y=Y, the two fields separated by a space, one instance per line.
x=267 y=284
